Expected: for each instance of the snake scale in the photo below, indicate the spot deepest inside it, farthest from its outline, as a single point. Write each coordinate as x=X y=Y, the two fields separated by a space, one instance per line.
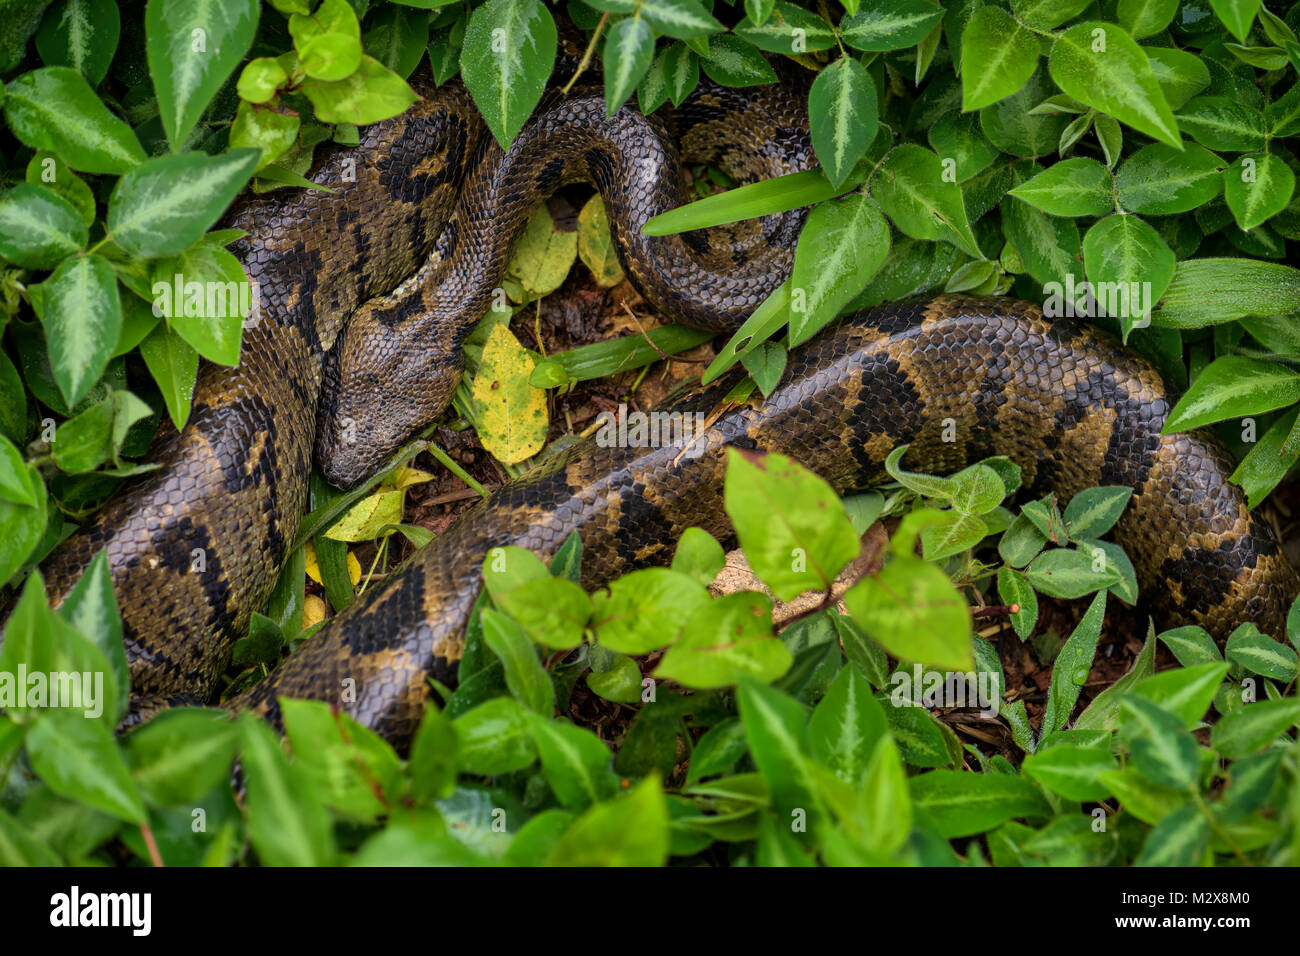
x=367 y=292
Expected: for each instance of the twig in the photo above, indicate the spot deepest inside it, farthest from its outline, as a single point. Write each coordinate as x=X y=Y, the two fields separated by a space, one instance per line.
x=586 y=55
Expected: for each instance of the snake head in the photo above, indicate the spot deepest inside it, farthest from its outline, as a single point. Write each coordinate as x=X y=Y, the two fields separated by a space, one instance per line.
x=382 y=385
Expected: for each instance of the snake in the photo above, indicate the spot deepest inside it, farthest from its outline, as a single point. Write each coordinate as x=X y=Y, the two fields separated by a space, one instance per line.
x=368 y=287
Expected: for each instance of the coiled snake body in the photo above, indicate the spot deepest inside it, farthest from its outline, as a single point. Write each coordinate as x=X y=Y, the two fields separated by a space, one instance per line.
x=1064 y=402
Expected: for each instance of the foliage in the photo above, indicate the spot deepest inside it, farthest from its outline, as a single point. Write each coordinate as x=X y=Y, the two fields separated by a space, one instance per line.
x=1131 y=163
x=814 y=744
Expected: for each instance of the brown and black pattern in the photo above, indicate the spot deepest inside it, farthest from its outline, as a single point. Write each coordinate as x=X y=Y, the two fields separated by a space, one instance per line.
x=400 y=358
x=431 y=187
x=1064 y=402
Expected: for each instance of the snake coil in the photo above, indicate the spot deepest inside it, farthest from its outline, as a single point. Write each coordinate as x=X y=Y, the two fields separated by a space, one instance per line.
x=436 y=200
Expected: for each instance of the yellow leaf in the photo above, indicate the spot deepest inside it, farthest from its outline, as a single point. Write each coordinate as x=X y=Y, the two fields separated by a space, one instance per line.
x=364 y=519
x=412 y=476
x=595 y=245
x=543 y=255
x=313 y=611
x=511 y=414
x=313 y=568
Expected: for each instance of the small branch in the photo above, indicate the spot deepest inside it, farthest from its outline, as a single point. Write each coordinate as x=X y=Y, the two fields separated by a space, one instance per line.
x=995 y=610
x=151 y=844
x=586 y=56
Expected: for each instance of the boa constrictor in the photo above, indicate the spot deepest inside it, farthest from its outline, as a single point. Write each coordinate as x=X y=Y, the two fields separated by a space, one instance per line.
x=368 y=291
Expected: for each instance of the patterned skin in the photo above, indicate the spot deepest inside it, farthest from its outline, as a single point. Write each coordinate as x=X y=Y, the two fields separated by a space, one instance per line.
x=1065 y=403
x=195 y=546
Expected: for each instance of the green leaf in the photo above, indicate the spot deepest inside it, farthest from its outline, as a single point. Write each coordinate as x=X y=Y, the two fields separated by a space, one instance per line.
x=1103 y=712
x=890 y=24
x=434 y=757
x=16 y=483
x=1143 y=18
x=1066 y=573
x=1014 y=589
x=328 y=42
x=1181 y=75
x=272 y=133
x=629 y=831
x=78 y=759
x=779 y=194
x=846 y=726
x=843 y=116
x=1237 y=15
x=998 y=56
x=766 y=365
x=576 y=763
x=646 y=609
x=962 y=803
x=1100 y=66
x=506 y=58
x=1179 y=839
x=911 y=188
x=912 y=609
x=287 y=823
x=1072 y=187
x=1257 y=188
x=1231 y=387
x=180 y=755
x=681 y=19
x=1073 y=772
x=1162 y=750
x=1094 y=511
x=83 y=442
x=790 y=523
x=174 y=365
x=47 y=170
x=733 y=62
x=842 y=244
x=718 y=750
x=553 y=611
x=398 y=37
x=1012 y=127
x=1046 y=14
x=54 y=108
x=369 y=95
x=629 y=47
x=81 y=34
x=1217 y=122
x=698 y=555
x=1185 y=692
x=1260 y=654
x=528 y=681
x=38 y=227
x=1211 y=291
x=166 y=204
x=726 y=640
x=83 y=314
x=1129 y=266
x=791 y=29
x=1250 y=729
x=193 y=47
x=1071 y=667
x=494 y=738
x=24 y=527
x=207 y=306
x=776 y=727
x=1191 y=645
